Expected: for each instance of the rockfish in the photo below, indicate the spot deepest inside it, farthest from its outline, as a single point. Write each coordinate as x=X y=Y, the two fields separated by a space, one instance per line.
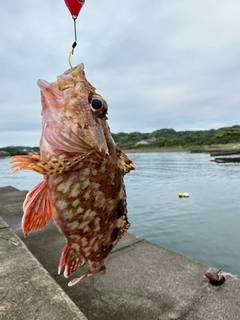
x=82 y=189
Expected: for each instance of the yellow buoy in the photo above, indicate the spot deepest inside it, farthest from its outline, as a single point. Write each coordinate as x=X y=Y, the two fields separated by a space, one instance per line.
x=183 y=194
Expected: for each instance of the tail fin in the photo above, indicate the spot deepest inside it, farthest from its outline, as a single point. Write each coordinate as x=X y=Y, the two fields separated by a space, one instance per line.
x=37 y=209
x=72 y=259
x=88 y=274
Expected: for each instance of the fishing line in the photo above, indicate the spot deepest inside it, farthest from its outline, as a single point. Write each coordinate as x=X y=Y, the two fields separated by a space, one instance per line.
x=75 y=41
x=74 y=7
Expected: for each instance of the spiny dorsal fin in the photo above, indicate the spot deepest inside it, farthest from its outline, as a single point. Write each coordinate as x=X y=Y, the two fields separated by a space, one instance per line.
x=124 y=163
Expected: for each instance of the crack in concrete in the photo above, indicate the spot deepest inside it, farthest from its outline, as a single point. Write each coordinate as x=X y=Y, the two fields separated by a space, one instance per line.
x=6 y=239
x=195 y=302
x=130 y=245
x=4 y=228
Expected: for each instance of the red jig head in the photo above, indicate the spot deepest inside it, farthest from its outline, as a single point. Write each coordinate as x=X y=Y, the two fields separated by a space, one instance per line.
x=74 y=6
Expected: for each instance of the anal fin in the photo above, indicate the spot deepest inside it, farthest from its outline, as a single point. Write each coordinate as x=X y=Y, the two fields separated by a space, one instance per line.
x=71 y=258
x=37 y=208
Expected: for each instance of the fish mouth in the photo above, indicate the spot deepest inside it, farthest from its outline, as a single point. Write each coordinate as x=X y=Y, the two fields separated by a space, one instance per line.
x=67 y=76
x=73 y=72
x=64 y=81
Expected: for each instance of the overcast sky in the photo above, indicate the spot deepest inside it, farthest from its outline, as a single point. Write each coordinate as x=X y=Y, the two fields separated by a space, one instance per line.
x=158 y=64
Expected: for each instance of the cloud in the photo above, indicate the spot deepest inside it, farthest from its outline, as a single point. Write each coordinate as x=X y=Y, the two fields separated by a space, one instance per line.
x=160 y=64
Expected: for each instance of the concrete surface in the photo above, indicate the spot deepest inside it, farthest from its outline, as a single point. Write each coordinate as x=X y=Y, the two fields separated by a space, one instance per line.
x=143 y=280
x=27 y=291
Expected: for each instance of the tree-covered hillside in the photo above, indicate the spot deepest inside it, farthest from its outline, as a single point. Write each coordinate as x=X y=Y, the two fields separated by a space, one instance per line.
x=17 y=150
x=170 y=138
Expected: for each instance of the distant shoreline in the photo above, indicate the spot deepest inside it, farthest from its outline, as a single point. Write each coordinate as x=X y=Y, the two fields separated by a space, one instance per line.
x=159 y=150
x=204 y=149
x=156 y=150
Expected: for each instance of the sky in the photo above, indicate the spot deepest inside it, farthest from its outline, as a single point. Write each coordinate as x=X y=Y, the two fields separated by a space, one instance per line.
x=158 y=64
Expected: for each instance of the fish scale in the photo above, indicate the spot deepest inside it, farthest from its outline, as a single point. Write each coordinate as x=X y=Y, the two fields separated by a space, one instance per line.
x=83 y=189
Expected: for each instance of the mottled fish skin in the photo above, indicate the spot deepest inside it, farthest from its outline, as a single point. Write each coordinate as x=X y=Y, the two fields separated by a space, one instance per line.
x=83 y=190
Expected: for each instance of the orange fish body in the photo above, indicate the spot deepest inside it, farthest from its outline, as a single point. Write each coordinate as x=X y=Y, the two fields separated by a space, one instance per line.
x=83 y=190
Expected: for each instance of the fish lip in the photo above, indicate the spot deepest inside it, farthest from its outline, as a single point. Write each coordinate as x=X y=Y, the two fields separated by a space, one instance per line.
x=43 y=83
x=74 y=71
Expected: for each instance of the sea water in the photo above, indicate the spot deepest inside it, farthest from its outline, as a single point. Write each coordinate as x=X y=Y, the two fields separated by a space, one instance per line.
x=205 y=226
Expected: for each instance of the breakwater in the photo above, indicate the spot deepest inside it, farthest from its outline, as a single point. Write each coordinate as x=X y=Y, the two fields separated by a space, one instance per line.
x=143 y=281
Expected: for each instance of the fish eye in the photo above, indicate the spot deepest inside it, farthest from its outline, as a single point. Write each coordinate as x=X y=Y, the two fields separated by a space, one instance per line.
x=99 y=105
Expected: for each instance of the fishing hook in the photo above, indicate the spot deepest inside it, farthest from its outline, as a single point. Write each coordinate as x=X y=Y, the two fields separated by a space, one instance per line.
x=74 y=43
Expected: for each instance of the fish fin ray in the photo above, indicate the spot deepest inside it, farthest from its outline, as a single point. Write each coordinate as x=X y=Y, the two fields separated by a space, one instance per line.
x=33 y=163
x=88 y=274
x=77 y=280
x=124 y=163
x=37 y=209
x=71 y=258
x=64 y=140
x=18 y=163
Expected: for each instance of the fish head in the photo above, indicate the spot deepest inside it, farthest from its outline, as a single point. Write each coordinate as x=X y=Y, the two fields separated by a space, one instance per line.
x=74 y=115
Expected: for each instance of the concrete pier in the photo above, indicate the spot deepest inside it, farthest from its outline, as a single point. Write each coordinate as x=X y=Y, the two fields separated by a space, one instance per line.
x=143 y=281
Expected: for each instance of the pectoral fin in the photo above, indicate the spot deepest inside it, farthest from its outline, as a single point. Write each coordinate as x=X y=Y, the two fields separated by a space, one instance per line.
x=37 y=209
x=33 y=163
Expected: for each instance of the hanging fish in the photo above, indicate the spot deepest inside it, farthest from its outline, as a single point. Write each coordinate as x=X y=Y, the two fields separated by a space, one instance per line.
x=82 y=190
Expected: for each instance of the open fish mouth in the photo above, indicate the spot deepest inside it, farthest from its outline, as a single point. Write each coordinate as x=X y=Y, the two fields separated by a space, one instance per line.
x=69 y=75
x=64 y=81
x=66 y=77
x=73 y=72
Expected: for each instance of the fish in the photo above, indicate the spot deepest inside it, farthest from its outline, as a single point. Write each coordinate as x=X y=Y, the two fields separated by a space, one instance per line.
x=83 y=190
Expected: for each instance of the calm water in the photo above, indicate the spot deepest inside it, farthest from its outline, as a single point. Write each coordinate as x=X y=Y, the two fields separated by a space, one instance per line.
x=204 y=226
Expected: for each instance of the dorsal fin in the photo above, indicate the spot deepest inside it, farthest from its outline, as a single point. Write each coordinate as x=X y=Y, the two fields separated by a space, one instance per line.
x=124 y=163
